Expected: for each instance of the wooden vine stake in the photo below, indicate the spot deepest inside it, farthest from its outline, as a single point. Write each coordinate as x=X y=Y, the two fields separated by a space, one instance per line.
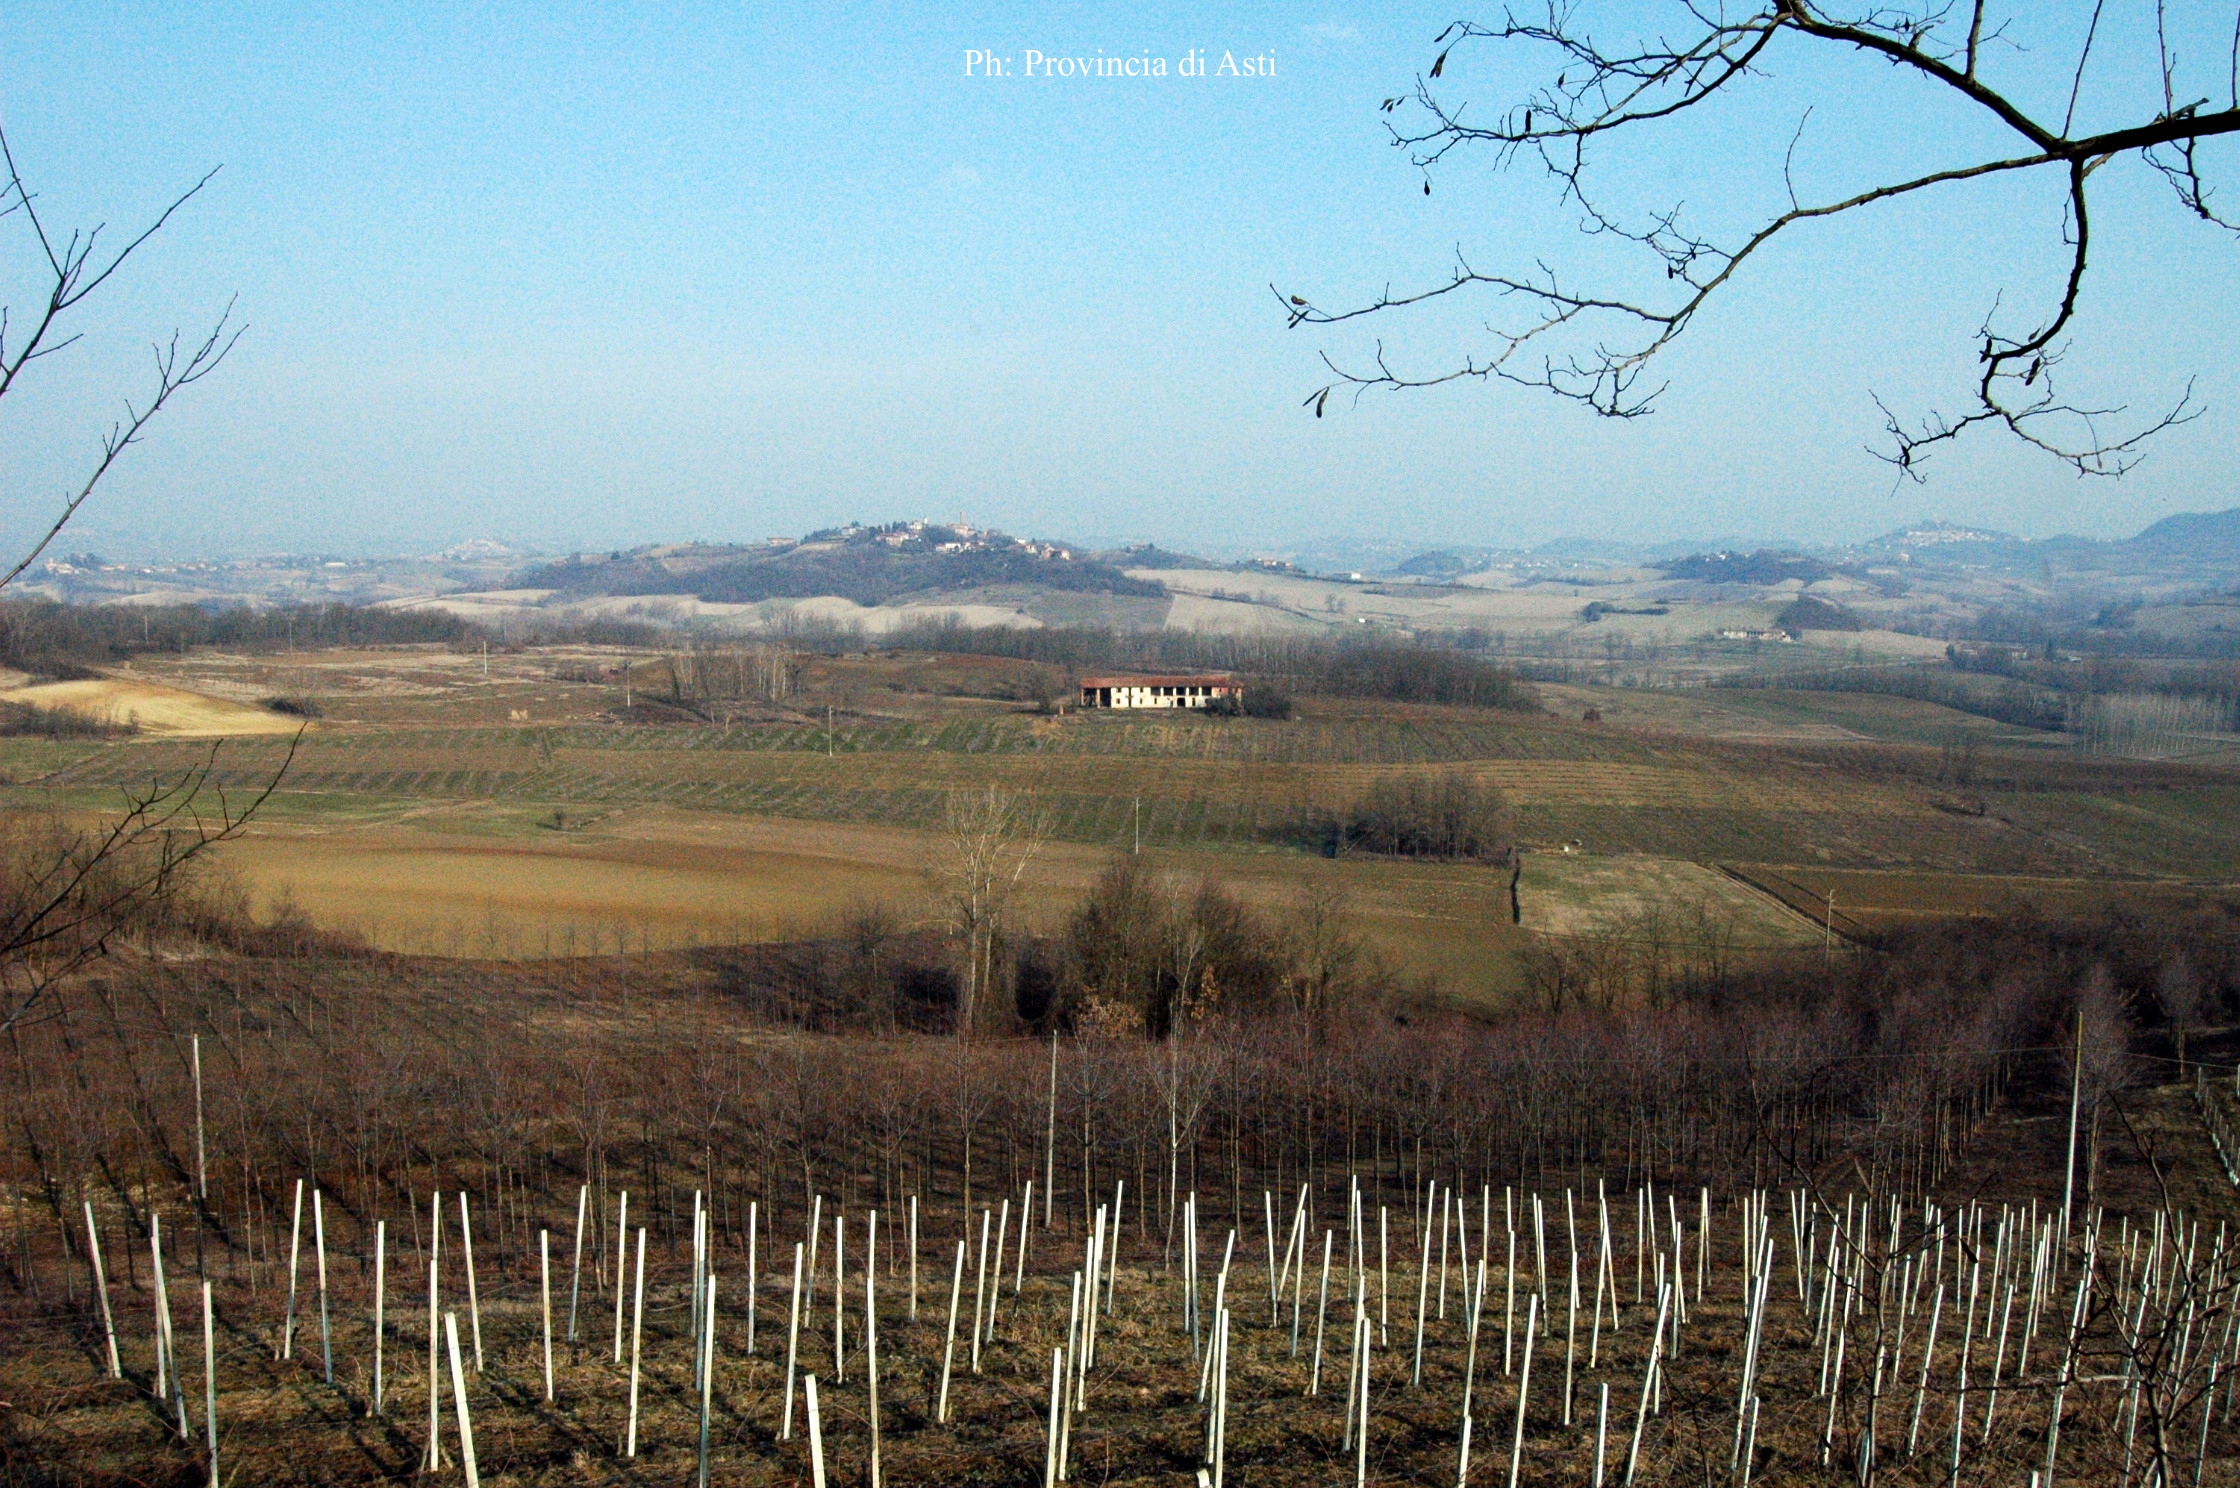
x=1112 y=1253
x=544 y=1287
x=1221 y=1404
x=816 y=1436
x=1601 y=1431
x=210 y=1383
x=708 y=1376
x=319 y=1247
x=575 y=1284
x=1321 y=1310
x=101 y=1286
x=870 y=1344
x=295 y=1247
x=1423 y=1294
x=1384 y=1276
x=162 y=1308
x=1050 y=1144
x=995 y=1292
x=459 y=1399
x=380 y=1304
x=1648 y=1382
x=1353 y=1372
x=474 y=1300
x=167 y=1344
x=699 y=1278
x=621 y=1265
x=1361 y=1428
x=1220 y=1302
x=434 y=1461
x=1571 y=1336
x=793 y=1345
x=1475 y=1306
x=201 y=1153
x=949 y=1349
x=637 y=1345
x=1275 y=1287
x=1057 y=1405
x=1524 y=1387
x=980 y=1290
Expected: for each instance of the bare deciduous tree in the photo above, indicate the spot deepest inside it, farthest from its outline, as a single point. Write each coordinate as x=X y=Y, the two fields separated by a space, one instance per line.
x=1595 y=344
x=988 y=838
x=65 y=893
x=71 y=269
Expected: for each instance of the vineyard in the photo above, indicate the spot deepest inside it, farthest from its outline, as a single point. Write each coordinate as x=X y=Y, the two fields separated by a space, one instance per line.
x=628 y=1230
x=1197 y=783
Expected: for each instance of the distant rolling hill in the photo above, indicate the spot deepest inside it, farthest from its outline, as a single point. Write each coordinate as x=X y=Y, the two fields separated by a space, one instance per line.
x=869 y=565
x=2201 y=537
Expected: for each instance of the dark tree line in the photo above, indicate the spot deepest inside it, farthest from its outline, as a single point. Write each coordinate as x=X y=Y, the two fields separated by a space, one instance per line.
x=62 y=641
x=1374 y=668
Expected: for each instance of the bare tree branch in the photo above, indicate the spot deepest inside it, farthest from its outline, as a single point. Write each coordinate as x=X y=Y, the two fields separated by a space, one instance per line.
x=76 y=266
x=68 y=895
x=1605 y=90
x=65 y=893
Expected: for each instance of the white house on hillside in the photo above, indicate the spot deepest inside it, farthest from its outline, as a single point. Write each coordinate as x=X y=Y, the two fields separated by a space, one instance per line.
x=1157 y=692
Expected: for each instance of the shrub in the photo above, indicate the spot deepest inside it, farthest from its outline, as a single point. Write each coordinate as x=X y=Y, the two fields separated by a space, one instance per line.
x=1452 y=815
x=18 y=720
x=1266 y=700
x=1145 y=952
x=1258 y=700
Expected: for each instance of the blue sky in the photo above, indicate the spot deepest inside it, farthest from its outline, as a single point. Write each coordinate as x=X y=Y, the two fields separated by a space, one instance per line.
x=592 y=277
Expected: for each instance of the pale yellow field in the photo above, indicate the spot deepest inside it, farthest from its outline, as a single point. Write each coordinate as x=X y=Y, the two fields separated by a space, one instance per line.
x=1589 y=894
x=169 y=711
x=457 y=884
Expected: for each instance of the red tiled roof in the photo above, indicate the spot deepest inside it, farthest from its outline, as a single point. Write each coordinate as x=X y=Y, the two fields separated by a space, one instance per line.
x=1215 y=679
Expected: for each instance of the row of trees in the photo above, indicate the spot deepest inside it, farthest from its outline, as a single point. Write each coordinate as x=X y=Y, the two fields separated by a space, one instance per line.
x=1367 y=667
x=58 y=640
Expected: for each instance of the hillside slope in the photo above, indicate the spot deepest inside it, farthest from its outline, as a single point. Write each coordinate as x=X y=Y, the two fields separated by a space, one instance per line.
x=868 y=565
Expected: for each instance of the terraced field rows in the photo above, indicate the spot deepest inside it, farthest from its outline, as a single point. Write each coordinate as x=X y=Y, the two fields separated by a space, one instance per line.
x=1368 y=741
x=1191 y=787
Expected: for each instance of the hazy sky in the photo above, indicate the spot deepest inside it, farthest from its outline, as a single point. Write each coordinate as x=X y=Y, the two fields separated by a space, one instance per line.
x=591 y=277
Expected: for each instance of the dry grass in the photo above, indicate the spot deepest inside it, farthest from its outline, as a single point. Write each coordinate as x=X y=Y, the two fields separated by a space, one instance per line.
x=483 y=883
x=1587 y=894
x=168 y=711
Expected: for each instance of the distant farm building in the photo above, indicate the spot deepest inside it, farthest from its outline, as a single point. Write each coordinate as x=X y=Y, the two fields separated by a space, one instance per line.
x=1157 y=692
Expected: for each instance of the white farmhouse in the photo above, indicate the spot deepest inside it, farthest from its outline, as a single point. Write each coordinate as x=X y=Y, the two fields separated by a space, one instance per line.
x=1157 y=692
